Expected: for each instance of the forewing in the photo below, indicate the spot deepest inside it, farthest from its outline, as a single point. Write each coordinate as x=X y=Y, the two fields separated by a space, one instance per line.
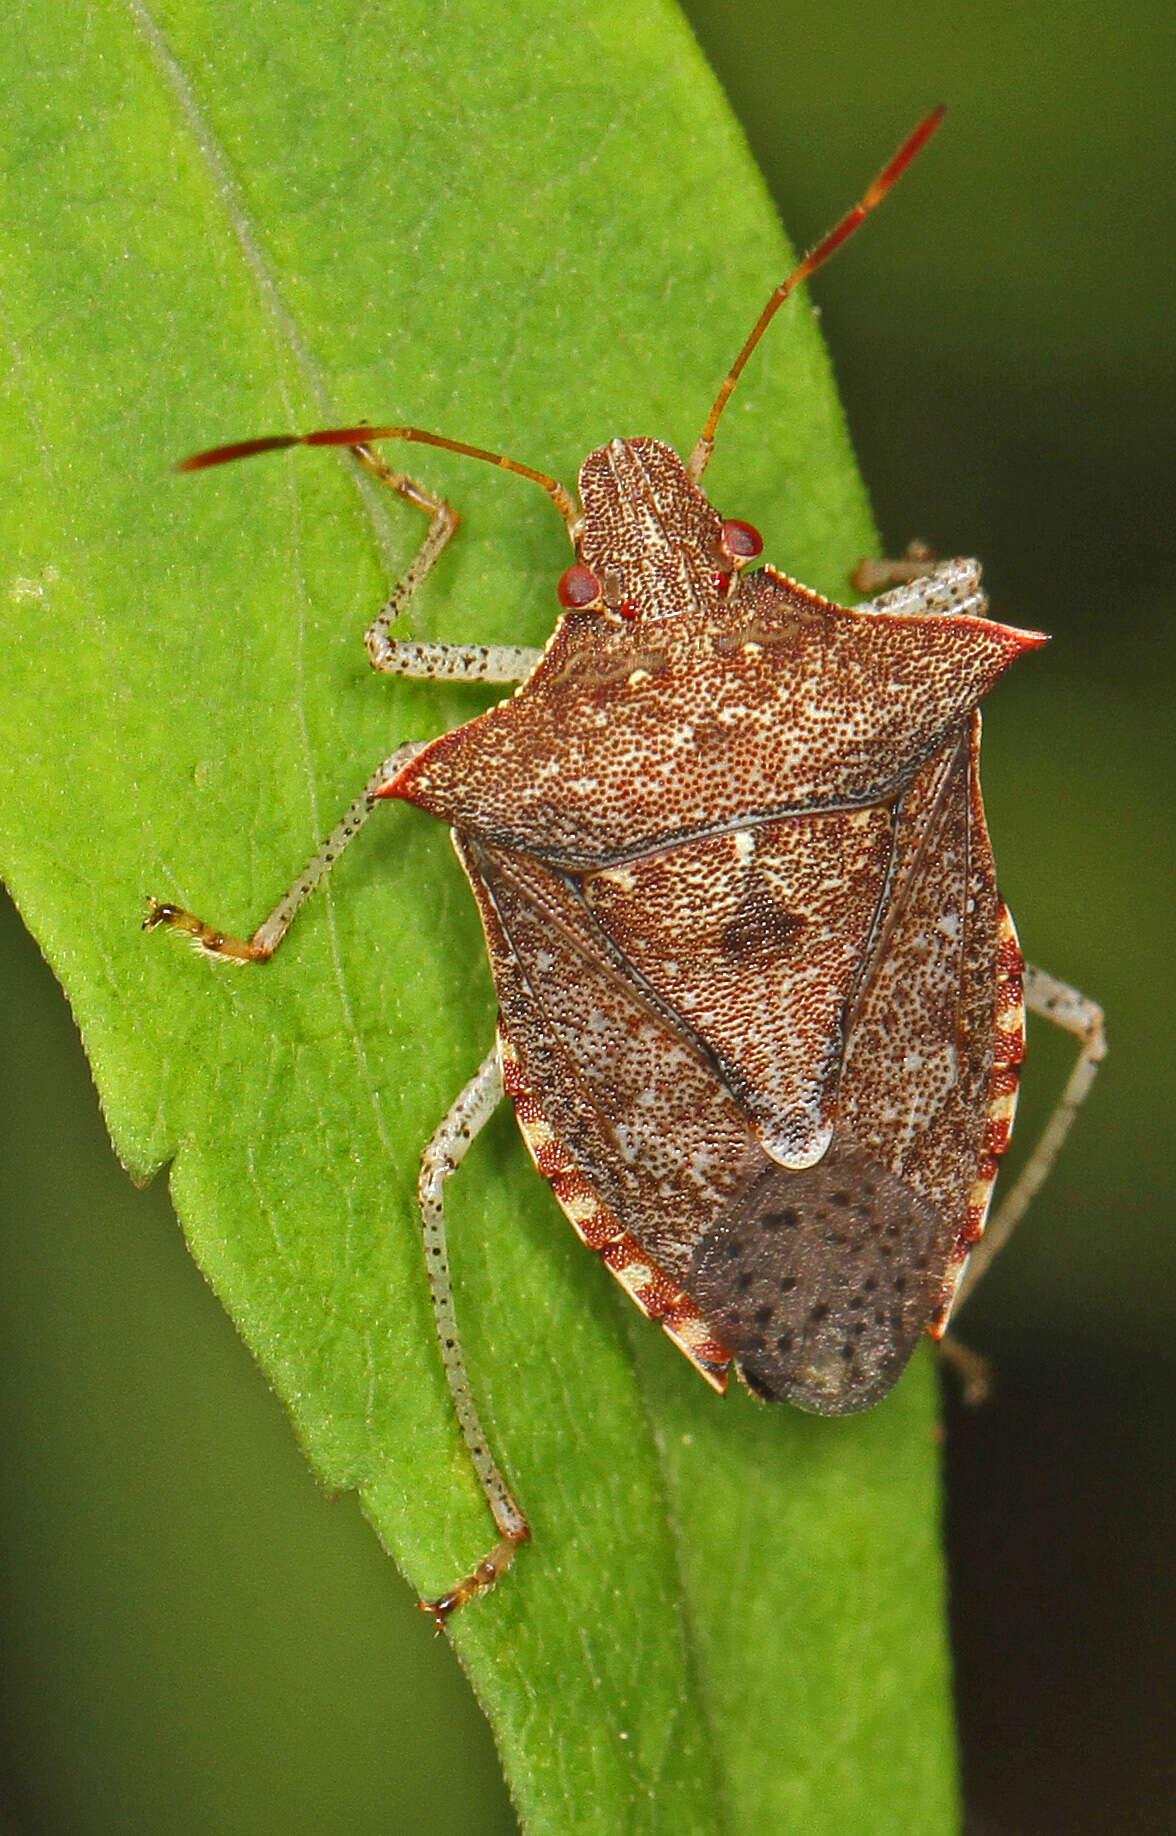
x=791 y=1269
x=625 y=1088
x=821 y=1282
x=921 y=1059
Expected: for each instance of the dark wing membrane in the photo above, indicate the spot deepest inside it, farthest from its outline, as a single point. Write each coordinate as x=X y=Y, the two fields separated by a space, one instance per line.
x=820 y=1283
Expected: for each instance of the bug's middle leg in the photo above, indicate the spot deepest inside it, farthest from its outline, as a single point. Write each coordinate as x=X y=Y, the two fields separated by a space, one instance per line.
x=872 y=576
x=265 y=939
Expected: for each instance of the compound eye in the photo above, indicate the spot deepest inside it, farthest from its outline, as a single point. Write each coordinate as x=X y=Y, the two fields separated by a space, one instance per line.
x=578 y=587
x=741 y=541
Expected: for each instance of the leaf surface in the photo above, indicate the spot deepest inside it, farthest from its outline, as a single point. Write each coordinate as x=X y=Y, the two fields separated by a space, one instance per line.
x=530 y=229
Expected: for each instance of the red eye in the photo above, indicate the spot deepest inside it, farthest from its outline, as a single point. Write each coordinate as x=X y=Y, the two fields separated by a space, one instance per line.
x=741 y=541
x=578 y=587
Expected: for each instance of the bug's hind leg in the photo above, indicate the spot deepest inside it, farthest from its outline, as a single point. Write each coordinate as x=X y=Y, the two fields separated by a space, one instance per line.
x=1058 y=1002
x=970 y=1368
x=440 y=1160
x=261 y=945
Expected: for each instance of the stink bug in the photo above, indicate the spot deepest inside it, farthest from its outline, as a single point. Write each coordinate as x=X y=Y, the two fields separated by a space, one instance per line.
x=762 y=1008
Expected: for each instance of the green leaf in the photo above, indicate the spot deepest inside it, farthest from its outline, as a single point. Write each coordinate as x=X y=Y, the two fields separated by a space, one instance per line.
x=530 y=229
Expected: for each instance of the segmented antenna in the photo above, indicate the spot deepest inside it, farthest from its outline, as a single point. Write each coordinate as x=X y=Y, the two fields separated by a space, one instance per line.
x=700 y=457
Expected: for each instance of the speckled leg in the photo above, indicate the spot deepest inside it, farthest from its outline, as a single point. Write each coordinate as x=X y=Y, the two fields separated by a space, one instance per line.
x=440 y=1160
x=1055 y=1001
x=448 y=662
x=945 y=586
x=223 y=947
x=453 y=662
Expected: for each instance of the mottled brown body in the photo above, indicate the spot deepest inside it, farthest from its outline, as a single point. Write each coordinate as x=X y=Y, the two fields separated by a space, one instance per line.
x=761 y=1010
x=761 y=1007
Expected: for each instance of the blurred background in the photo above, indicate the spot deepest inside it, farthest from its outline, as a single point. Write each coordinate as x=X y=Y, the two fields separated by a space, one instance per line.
x=1002 y=338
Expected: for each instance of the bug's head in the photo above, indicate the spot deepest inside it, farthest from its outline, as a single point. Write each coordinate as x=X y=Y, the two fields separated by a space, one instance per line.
x=648 y=543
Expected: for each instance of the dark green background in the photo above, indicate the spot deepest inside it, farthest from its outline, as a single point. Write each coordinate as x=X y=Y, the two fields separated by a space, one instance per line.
x=1003 y=341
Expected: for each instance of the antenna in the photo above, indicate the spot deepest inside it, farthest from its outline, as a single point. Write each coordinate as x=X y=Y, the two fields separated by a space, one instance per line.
x=363 y=436
x=700 y=457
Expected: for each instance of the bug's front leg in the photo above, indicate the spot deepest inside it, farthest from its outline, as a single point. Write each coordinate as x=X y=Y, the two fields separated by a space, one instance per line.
x=436 y=662
x=439 y=1162
x=261 y=945
x=872 y=577
x=924 y=586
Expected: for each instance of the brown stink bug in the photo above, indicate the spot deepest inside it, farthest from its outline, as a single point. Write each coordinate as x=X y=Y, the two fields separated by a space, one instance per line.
x=762 y=1008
